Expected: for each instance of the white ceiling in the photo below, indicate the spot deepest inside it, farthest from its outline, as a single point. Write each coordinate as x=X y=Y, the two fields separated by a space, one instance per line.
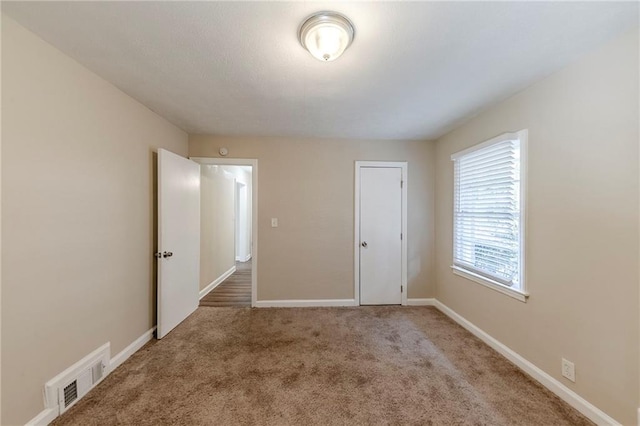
x=414 y=71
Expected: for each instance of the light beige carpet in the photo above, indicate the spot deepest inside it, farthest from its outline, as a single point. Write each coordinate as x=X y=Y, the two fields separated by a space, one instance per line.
x=319 y=366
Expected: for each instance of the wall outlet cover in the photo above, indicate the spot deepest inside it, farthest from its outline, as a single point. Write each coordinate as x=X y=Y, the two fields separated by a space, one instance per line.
x=569 y=370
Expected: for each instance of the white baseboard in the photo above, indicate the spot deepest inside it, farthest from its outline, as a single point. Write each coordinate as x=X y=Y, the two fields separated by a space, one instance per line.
x=243 y=259
x=329 y=303
x=576 y=401
x=421 y=302
x=638 y=416
x=215 y=283
x=304 y=303
x=131 y=349
x=45 y=417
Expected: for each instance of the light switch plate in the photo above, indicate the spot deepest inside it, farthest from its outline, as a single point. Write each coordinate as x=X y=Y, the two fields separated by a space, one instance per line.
x=274 y=222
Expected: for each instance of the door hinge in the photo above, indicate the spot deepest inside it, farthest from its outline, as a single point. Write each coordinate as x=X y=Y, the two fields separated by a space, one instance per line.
x=401 y=289
x=401 y=236
x=401 y=184
x=158 y=254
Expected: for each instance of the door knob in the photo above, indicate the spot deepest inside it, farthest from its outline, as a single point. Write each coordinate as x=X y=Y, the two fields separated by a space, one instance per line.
x=167 y=254
x=364 y=244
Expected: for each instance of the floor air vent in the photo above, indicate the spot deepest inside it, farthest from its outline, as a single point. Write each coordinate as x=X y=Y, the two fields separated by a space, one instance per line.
x=70 y=393
x=68 y=387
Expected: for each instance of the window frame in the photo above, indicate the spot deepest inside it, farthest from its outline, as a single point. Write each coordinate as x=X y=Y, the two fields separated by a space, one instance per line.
x=521 y=293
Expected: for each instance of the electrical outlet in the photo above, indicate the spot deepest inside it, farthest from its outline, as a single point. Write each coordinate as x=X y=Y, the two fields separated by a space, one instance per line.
x=568 y=370
x=274 y=222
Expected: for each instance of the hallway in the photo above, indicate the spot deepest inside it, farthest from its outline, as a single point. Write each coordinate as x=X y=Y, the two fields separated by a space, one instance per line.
x=235 y=291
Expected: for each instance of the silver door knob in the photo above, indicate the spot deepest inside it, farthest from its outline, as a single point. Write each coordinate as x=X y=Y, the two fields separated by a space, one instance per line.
x=364 y=244
x=167 y=254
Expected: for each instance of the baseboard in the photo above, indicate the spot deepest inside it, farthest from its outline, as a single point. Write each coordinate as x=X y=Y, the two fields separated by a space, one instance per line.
x=217 y=282
x=570 y=397
x=131 y=349
x=304 y=303
x=329 y=303
x=45 y=417
x=421 y=302
x=638 y=416
x=243 y=259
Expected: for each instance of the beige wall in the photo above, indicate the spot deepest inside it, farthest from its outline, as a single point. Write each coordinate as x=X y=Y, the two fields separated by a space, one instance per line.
x=582 y=230
x=217 y=223
x=308 y=185
x=78 y=223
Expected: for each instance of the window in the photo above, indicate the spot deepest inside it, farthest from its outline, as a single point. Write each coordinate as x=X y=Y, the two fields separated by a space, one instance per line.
x=488 y=233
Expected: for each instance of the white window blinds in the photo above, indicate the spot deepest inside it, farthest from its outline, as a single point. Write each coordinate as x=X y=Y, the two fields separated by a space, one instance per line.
x=487 y=218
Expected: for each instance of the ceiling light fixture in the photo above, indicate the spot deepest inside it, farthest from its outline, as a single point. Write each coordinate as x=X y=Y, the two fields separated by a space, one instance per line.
x=326 y=35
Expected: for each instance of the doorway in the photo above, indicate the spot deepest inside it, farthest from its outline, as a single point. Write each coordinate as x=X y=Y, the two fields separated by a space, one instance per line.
x=380 y=243
x=228 y=232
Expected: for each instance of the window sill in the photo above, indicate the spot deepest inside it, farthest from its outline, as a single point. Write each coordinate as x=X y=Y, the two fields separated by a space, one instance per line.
x=491 y=284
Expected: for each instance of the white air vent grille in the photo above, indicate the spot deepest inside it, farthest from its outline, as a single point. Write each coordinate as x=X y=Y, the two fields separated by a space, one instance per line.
x=71 y=385
x=70 y=393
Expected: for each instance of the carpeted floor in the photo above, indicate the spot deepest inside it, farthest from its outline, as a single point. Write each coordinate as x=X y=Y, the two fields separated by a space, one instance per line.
x=319 y=366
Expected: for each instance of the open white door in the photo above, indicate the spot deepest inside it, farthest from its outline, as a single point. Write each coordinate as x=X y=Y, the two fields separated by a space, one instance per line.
x=178 y=239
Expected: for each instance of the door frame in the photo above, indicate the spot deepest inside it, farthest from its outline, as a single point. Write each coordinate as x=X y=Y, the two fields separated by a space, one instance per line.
x=254 y=210
x=359 y=165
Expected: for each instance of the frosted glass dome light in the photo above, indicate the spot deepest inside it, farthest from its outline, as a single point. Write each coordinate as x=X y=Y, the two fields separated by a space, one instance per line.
x=326 y=35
